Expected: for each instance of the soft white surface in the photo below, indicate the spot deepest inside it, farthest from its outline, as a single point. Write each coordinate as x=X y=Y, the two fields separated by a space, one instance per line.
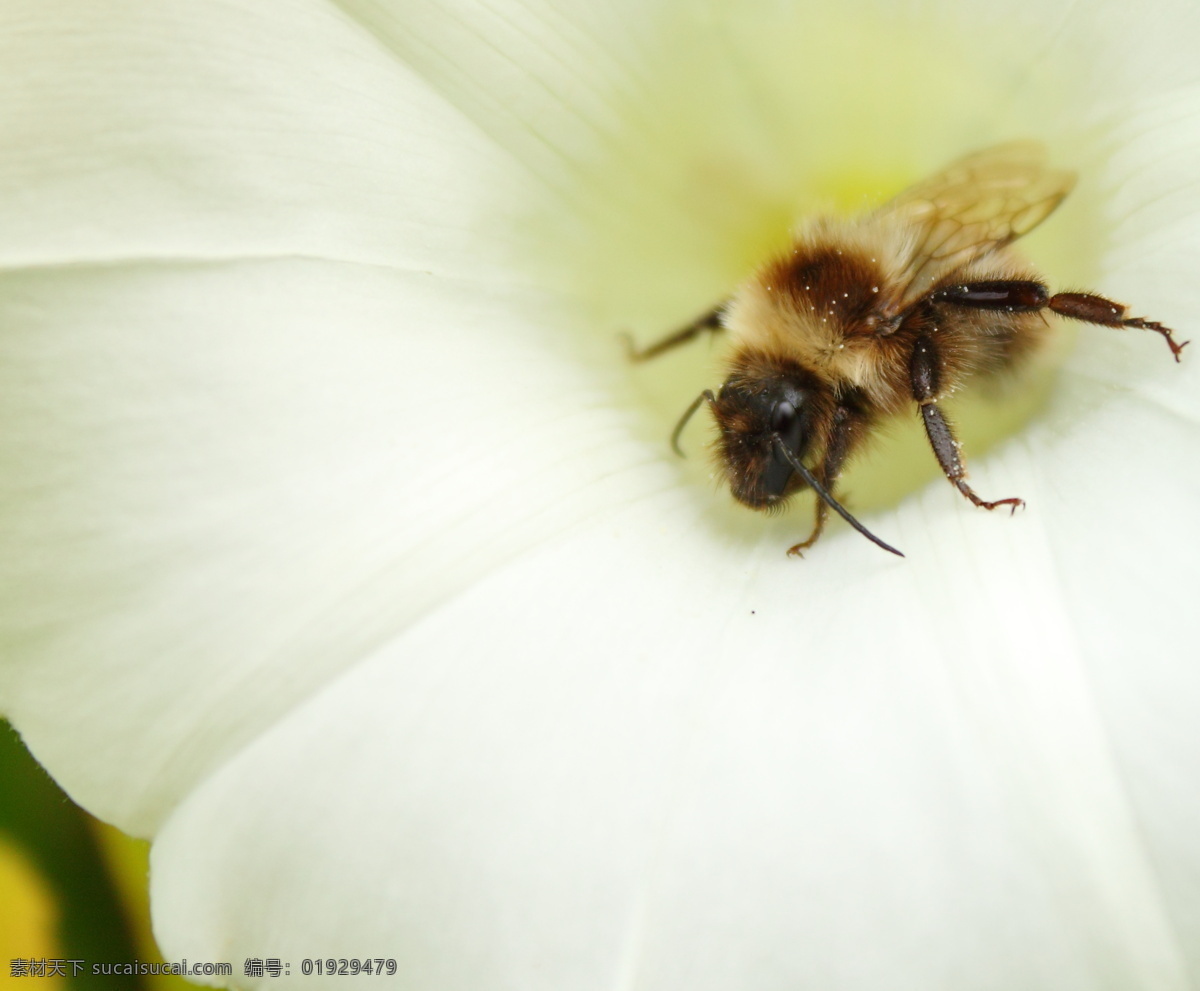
x=227 y=130
x=338 y=559
x=846 y=779
x=230 y=481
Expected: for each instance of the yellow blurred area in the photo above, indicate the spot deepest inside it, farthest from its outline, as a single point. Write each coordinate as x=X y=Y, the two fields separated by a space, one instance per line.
x=28 y=918
x=29 y=915
x=129 y=864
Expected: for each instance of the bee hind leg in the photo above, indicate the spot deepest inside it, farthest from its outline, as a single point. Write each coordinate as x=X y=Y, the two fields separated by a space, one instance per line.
x=1091 y=308
x=1025 y=296
x=709 y=321
x=925 y=371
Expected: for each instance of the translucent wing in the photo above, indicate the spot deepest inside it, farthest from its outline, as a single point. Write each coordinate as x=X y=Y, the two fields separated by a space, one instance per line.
x=979 y=203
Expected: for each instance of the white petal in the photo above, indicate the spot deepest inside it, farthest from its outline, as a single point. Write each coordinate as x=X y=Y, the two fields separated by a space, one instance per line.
x=224 y=484
x=681 y=777
x=644 y=750
x=225 y=131
x=713 y=745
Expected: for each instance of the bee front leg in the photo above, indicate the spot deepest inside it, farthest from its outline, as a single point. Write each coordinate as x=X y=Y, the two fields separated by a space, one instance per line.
x=710 y=321
x=818 y=527
x=925 y=370
x=841 y=440
x=822 y=515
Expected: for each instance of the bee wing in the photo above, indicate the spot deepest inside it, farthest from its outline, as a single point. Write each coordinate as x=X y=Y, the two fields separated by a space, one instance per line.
x=977 y=204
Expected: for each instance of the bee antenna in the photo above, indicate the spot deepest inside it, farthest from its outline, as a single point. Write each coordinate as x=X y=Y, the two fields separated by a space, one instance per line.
x=707 y=394
x=782 y=449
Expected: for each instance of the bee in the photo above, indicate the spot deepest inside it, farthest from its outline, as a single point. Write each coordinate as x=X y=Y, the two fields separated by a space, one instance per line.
x=861 y=318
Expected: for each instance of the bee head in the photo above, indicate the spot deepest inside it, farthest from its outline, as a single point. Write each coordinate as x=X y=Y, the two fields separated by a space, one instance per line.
x=772 y=413
x=752 y=410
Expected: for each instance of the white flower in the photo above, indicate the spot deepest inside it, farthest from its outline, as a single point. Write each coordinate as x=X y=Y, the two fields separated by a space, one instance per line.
x=343 y=555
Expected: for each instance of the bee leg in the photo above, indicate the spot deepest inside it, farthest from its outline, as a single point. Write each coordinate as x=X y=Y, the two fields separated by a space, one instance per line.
x=1024 y=296
x=710 y=321
x=705 y=396
x=1091 y=308
x=841 y=439
x=818 y=527
x=925 y=369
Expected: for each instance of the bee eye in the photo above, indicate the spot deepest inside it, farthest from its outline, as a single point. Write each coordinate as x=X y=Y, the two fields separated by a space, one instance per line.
x=783 y=418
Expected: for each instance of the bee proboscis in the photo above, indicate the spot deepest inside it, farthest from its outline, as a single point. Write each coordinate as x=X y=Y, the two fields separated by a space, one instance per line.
x=860 y=319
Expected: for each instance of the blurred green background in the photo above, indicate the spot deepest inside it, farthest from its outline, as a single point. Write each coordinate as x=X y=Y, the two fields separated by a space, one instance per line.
x=71 y=888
